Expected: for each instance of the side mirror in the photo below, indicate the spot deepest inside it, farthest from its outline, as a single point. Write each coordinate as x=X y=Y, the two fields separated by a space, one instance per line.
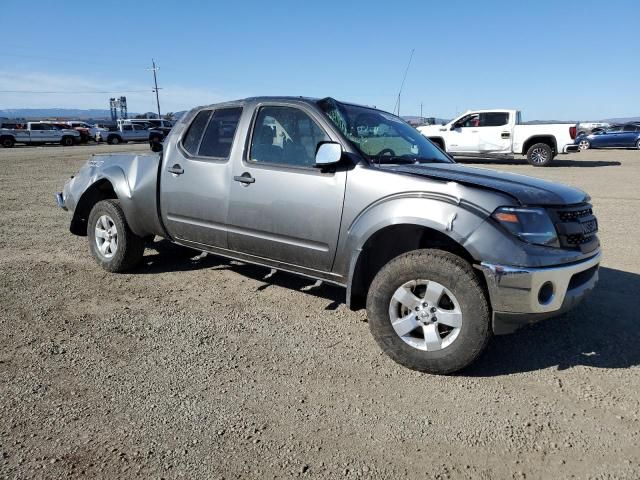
x=328 y=153
x=156 y=146
x=454 y=126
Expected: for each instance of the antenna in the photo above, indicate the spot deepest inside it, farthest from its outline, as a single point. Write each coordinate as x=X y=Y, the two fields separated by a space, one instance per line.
x=155 y=82
x=402 y=84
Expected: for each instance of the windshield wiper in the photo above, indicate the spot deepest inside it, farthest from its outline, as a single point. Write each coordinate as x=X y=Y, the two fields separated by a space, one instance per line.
x=403 y=159
x=397 y=159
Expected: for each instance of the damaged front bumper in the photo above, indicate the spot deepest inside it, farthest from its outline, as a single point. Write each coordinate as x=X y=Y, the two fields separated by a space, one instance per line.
x=521 y=295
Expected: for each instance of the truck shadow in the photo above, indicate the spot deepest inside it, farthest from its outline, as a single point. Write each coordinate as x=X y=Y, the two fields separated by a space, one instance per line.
x=169 y=257
x=602 y=332
x=584 y=163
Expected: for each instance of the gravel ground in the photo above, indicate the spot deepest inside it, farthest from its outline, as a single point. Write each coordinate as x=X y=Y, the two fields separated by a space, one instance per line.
x=200 y=368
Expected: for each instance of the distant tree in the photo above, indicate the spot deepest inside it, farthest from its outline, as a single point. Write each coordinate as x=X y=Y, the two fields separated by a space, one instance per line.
x=141 y=116
x=168 y=116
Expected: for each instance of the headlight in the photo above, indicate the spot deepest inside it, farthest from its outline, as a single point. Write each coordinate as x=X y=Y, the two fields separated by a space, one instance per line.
x=532 y=225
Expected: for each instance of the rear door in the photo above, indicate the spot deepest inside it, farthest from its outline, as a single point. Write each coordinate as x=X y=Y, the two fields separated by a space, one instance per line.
x=494 y=132
x=282 y=208
x=37 y=132
x=195 y=178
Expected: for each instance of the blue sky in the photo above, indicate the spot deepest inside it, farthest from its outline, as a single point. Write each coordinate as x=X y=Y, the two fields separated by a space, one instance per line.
x=552 y=59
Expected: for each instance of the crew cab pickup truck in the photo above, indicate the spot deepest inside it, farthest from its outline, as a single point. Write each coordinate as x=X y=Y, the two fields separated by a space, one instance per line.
x=38 y=133
x=124 y=132
x=442 y=255
x=500 y=133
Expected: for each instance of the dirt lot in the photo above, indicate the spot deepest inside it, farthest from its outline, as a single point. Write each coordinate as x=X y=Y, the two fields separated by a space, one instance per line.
x=199 y=368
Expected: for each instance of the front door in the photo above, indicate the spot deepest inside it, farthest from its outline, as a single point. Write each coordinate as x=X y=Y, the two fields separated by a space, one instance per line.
x=463 y=136
x=195 y=178
x=282 y=207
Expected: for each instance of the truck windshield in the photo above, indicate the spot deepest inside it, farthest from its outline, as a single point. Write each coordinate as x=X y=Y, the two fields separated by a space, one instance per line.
x=380 y=136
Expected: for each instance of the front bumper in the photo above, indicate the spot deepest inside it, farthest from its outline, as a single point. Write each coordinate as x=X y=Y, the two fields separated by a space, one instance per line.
x=521 y=295
x=60 y=200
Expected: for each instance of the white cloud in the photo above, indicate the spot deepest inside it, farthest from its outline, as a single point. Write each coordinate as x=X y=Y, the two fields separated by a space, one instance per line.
x=140 y=97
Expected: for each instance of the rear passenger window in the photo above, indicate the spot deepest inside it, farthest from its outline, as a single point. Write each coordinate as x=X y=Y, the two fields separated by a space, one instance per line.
x=191 y=140
x=494 y=119
x=219 y=135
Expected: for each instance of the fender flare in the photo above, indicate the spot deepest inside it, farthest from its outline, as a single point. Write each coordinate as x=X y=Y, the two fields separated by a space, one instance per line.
x=441 y=213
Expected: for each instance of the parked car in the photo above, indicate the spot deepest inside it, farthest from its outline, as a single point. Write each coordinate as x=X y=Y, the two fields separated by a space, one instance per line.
x=623 y=136
x=442 y=255
x=38 y=133
x=585 y=128
x=500 y=133
x=83 y=131
x=124 y=133
x=91 y=128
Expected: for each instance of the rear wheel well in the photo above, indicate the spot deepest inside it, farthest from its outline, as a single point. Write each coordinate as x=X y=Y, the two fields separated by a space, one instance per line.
x=101 y=190
x=390 y=242
x=546 y=139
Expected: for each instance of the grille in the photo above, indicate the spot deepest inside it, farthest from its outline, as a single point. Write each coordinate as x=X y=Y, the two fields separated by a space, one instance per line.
x=571 y=215
x=577 y=227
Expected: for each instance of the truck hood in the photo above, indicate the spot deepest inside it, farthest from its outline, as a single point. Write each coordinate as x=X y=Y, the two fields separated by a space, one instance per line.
x=526 y=190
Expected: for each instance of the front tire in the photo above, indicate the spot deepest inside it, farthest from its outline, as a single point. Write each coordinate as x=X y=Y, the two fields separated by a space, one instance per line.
x=8 y=142
x=66 y=141
x=539 y=155
x=428 y=312
x=113 y=140
x=638 y=145
x=584 y=145
x=111 y=242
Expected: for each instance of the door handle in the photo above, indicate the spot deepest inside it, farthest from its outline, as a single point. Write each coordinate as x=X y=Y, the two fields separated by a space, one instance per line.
x=245 y=178
x=505 y=135
x=176 y=169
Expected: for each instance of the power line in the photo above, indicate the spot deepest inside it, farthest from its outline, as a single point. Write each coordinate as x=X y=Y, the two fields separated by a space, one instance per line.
x=73 y=93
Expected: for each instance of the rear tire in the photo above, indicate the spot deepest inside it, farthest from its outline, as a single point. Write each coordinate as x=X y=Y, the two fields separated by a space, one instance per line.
x=456 y=339
x=638 y=145
x=7 y=142
x=539 y=155
x=111 y=242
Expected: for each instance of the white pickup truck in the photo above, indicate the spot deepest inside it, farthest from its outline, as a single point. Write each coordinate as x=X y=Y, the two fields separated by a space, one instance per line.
x=500 y=133
x=37 y=133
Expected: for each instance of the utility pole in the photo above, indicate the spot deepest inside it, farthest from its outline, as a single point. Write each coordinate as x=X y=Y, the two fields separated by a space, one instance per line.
x=155 y=82
x=421 y=117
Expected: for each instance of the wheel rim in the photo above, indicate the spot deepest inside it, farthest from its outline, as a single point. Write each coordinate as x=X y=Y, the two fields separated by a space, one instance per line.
x=425 y=315
x=106 y=236
x=539 y=155
x=583 y=145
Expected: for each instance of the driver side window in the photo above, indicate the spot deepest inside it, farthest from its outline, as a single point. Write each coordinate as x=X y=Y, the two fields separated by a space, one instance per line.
x=472 y=120
x=285 y=136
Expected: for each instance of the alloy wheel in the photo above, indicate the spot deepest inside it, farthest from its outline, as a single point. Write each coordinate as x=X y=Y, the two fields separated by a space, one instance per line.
x=106 y=236
x=425 y=315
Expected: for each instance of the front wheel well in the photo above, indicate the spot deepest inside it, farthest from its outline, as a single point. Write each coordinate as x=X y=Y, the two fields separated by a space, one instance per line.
x=101 y=190
x=546 y=139
x=439 y=141
x=388 y=243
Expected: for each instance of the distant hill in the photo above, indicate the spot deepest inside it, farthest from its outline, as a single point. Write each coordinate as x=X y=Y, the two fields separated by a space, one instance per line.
x=56 y=113
x=622 y=120
x=69 y=113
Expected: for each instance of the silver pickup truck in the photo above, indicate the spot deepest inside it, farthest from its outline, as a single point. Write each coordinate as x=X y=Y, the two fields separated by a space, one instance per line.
x=37 y=133
x=442 y=255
